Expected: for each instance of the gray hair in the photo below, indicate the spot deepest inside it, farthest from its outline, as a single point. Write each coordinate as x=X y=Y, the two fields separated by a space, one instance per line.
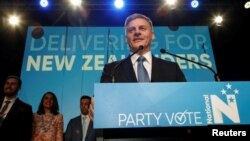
x=137 y=16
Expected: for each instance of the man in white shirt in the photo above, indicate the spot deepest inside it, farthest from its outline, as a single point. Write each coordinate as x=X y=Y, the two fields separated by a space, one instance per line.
x=80 y=128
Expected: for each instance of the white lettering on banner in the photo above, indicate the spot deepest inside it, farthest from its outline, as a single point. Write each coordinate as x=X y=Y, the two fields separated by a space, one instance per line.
x=56 y=42
x=153 y=119
x=203 y=59
x=139 y=119
x=181 y=118
x=53 y=43
x=87 y=59
x=208 y=110
x=88 y=65
x=78 y=39
x=185 y=41
x=45 y=63
x=99 y=62
x=88 y=62
x=99 y=42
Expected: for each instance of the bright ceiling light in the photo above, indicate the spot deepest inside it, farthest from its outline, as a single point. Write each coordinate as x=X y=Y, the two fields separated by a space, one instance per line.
x=247 y=5
x=14 y=20
x=119 y=4
x=194 y=3
x=218 y=20
x=76 y=2
x=44 y=3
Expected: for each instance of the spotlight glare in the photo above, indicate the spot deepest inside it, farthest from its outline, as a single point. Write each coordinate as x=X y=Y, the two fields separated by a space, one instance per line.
x=218 y=20
x=14 y=20
x=194 y=3
x=247 y=5
x=44 y=3
x=119 y=4
x=171 y=2
x=76 y=2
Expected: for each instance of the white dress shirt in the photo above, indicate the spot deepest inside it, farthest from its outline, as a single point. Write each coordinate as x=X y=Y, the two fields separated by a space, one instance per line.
x=85 y=127
x=147 y=64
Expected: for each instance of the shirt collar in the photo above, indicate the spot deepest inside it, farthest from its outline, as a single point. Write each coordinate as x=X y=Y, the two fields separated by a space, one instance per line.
x=147 y=55
x=84 y=116
x=12 y=100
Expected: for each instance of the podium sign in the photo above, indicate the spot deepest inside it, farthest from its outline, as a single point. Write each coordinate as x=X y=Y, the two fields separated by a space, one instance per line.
x=132 y=105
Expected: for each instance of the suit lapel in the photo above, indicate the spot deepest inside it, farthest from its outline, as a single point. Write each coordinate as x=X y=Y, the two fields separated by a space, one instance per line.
x=154 y=71
x=13 y=109
x=90 y=128
x=126 y=72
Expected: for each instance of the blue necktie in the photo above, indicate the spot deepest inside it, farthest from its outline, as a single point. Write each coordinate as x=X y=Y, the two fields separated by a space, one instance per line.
x=141 y=71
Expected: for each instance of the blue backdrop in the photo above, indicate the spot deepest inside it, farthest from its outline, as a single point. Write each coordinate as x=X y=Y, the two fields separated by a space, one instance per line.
x=69 y=60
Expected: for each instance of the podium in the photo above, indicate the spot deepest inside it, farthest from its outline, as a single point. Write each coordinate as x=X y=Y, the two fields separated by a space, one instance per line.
x=175 y=111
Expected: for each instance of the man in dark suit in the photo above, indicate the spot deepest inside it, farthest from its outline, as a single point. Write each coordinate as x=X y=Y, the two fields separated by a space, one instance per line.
x=16 y=119
x=80 y=128
x=139 y=33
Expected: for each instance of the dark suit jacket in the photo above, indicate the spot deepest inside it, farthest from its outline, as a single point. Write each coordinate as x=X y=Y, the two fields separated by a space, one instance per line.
x=162 y=71
x=17 y=125
x=74 y=131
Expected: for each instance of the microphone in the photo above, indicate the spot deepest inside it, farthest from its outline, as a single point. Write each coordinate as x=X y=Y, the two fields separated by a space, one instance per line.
x=121 y=61
x=216 y=76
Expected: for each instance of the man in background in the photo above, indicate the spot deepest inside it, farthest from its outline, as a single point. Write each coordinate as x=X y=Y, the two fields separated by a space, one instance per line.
x=15 y=115
x=80 y=128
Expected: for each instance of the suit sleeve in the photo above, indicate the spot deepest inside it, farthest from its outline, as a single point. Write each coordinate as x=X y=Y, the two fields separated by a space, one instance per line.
x=25 y=121
x=107 y=73
x=68 y=133
x=180 y=76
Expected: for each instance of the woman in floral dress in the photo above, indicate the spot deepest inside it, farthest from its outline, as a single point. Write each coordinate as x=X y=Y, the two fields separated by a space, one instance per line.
x=47 y=121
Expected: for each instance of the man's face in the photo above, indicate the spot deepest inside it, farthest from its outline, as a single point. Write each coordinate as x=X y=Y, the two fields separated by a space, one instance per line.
x=11 y=87
x=84 y=106
x=139 y=32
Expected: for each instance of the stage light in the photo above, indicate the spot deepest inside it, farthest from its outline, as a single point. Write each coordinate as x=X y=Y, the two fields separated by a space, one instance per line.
x=218 y=20
x=194 y=3
x=119 y=4
x=172 y=4
x=14 y=20
x=247 y=5
x=44 y=3
x=76 y=2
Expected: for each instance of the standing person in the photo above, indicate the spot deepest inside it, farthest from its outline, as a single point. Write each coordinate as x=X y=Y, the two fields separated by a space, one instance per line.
x=139 y=32
x=47 y=121
x=141 y=66
x=80 y=128
x=16 y=116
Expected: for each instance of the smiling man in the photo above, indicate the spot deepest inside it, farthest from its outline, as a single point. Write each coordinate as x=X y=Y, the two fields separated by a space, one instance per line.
x=139 y=32
x=140 y=66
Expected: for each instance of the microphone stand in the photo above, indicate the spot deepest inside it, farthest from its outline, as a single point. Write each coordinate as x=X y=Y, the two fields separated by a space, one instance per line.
x=216 y=76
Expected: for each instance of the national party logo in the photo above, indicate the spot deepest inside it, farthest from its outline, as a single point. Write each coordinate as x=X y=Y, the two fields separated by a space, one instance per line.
x=221 y=107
